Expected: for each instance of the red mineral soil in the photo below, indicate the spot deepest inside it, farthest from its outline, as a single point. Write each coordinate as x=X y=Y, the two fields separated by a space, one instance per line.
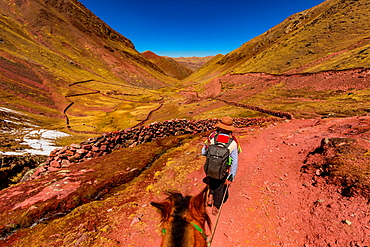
x=272 y=203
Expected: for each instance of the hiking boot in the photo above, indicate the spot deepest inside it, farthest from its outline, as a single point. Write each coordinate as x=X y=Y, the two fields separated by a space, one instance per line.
x=210 y=200
x=214 y=211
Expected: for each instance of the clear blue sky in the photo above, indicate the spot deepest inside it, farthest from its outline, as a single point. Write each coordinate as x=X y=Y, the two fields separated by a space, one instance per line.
x=194 y=27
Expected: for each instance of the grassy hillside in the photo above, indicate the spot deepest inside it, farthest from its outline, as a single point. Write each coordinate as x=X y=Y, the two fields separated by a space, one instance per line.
x=58 y=60
x=331 y=36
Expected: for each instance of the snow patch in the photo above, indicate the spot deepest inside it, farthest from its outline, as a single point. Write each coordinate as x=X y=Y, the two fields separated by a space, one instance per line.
x=40 y=141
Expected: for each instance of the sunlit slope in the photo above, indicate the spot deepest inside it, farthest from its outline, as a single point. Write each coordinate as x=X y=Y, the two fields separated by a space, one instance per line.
x=48 y=47
x=71 y=42
x=331 y=36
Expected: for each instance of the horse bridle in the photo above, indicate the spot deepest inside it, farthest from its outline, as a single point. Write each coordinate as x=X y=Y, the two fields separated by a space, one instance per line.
x=198 y=228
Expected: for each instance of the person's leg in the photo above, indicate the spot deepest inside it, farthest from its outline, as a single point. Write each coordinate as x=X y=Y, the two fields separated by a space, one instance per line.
x=219 y=194
x=212 y=186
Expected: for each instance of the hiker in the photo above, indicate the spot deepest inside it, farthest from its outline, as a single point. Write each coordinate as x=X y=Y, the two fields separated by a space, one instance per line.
x=218 y=183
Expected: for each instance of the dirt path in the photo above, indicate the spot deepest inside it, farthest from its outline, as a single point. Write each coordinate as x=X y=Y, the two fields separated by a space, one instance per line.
x=272 y=204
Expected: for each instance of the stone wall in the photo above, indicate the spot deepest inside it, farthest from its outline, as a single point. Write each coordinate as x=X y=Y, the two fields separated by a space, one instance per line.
x=260 y=109
x=108 y=142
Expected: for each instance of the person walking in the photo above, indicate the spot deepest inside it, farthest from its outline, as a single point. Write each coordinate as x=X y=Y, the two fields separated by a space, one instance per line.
x=222 y=136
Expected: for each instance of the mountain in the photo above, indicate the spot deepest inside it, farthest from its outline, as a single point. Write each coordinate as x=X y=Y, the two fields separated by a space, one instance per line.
x=53 y=53
x=331 y=36
x=170 y=66
x=193 y=63
x=68 y=70
x=72 y=43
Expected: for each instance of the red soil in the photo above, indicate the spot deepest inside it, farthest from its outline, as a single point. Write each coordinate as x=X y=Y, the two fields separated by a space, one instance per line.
x=273 y=204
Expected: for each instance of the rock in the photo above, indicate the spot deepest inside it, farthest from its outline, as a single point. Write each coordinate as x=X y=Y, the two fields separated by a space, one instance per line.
x=82 y=151
x=65 y=163
x=87 y=147
x=55 y=164
x=347 y=222
x=75 y=146
x=53 y=169
x=90 y=154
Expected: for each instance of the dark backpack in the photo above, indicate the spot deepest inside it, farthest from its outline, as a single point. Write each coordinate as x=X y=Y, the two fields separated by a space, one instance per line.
x=217 y=158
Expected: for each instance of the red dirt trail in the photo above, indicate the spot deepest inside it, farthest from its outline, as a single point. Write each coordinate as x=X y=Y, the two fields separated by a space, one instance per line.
x=273 y=204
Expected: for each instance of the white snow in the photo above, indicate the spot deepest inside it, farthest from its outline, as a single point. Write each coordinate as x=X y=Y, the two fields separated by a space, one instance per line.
x=39 y=140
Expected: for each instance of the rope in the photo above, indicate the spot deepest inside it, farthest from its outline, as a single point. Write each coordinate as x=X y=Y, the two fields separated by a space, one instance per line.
x=218 y=216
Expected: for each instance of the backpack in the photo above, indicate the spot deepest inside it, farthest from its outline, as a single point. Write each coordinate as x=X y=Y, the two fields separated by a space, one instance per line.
x=217 y=158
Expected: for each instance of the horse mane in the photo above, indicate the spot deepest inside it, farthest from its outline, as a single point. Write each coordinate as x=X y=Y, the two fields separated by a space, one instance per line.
x=183 y=209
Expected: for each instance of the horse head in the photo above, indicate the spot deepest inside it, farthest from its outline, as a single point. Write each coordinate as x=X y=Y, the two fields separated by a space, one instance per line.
x=183 y=219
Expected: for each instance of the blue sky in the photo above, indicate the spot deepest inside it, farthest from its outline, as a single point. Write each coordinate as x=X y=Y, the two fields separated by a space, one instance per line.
x=193 y=27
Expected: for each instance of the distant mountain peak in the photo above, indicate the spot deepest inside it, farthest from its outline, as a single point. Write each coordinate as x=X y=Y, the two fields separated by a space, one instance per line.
x=150 y=55
x=169 y=65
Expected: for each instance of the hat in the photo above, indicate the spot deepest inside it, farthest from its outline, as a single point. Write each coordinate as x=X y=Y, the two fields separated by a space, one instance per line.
x=226 y=124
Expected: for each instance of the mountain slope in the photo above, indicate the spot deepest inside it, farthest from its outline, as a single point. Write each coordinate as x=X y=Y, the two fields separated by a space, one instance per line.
x=331 y=36
x=69 y=40
x=170 y=66
x=52 y=53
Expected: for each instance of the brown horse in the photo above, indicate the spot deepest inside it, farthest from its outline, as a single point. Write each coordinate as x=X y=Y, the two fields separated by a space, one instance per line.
x=183 y=220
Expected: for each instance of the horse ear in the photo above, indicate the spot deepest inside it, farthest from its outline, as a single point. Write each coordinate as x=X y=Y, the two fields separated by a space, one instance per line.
x=164 y=209
x=198 y=201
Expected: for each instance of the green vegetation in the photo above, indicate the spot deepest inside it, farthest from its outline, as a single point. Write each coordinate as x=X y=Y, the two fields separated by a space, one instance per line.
x=309 y=103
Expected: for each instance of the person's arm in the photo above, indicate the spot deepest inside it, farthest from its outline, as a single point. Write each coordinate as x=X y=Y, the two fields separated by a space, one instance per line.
x=234 y=164
x=204 y=150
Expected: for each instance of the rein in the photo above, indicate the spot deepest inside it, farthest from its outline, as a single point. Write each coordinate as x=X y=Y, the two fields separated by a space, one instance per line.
x=218 y=216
